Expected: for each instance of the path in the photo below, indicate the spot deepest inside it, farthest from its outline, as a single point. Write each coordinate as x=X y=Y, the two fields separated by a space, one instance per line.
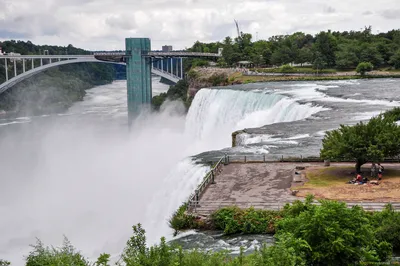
x=261 y=185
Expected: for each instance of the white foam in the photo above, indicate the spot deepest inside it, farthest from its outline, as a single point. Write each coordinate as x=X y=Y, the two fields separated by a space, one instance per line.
x=301 y=136
x=313 y=92
x=14 y=122
x=215 y=114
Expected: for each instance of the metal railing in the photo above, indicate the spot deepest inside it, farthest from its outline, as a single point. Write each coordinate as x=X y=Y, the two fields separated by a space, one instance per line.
x=269 y=158
x=208 y=179
x=196 y=205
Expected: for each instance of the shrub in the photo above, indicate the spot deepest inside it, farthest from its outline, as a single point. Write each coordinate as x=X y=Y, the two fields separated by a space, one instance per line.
x=364 y=67
x=387 y=226
x=45 y=256
x=234 y=220
x=181 y=220
x=287 y=69
x=336 y=234
x=218 y=79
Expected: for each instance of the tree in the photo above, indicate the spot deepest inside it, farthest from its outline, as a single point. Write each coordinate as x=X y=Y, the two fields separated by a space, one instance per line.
x=4 y=263
x=364 y=67
x=326 y=44
x=371 y=54
x=305 y=55
x=364 y=142
x=319 y=61
x=395 y=60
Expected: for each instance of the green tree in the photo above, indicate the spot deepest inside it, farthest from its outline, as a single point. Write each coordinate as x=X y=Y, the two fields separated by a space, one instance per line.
x=103 y=260
x=369 y=53
x=395 y=60
x=363 y=142
x=4 y=263
x=319 y=62
x=364 y=67
x=326 y=45
x=305 y=55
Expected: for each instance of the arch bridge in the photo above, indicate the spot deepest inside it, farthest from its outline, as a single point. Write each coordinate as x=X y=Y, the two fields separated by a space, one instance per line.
x=140 y=61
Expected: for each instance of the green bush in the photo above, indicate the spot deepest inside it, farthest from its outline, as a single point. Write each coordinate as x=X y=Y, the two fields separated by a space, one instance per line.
x=287 y=69
x=387 y=226
x=364 y=67
x=336 y=234
x=181 y=220
x=218 y=79
x=45 y=256
x=234 y=220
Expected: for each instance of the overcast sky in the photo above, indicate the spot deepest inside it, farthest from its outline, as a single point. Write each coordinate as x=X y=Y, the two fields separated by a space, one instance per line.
x=103 y=24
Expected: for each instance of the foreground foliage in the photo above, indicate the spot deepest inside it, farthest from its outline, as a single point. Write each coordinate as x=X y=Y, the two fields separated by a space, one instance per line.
x=234 y=220
x=305 y=233
x=364 y=142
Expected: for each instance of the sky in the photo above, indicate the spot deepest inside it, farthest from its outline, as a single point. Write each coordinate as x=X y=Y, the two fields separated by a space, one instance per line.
x=104 y=24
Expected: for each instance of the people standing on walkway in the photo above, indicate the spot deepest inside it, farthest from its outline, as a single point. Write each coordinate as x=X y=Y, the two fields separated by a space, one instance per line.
x=373 y=170
x=380 y=171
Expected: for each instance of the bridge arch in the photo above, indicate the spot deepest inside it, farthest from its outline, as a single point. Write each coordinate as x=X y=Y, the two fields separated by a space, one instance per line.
x=13 y=81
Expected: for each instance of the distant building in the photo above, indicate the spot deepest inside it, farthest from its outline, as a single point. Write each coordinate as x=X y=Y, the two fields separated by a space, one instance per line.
x=245 y=64
x=167 y=48
x=12 y=53
x=12 y=60
x=1 y=51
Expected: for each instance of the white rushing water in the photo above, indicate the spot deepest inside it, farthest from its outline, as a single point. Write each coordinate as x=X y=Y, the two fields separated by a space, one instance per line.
x=215 y=114
x=83 y=175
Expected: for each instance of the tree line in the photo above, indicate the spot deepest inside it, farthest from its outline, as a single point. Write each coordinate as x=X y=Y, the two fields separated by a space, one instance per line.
x=327 y=49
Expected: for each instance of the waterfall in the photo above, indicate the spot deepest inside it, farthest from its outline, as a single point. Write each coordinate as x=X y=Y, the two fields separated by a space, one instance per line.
x=215 y=114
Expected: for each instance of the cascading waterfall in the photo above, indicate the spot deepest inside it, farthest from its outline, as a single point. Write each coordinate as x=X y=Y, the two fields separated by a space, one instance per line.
x=91 y=182
x=215 y=114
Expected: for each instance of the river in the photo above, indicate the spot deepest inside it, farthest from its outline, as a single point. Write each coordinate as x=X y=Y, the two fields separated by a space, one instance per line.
x=82 y=174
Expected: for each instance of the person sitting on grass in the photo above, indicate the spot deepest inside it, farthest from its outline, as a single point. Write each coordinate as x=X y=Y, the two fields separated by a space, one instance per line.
x=358 y=180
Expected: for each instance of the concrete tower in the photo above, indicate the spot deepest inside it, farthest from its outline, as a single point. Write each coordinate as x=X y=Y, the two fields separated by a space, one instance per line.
x=138 y=75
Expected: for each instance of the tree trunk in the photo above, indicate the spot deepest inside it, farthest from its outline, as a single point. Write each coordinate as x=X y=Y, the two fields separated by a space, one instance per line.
x=358 y=165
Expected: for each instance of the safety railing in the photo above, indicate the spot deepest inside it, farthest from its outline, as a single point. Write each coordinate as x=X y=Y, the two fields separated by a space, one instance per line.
x=259 y=158
x=208 y=179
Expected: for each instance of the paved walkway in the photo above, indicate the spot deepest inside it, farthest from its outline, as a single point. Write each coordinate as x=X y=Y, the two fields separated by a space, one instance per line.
x=261 y=185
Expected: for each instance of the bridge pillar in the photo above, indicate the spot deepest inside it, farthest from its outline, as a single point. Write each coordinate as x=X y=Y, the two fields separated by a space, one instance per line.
x=6 y=68
x=138 y=75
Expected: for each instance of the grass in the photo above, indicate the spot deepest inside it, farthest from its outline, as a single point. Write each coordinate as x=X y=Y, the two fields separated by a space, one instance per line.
x=326 y=176
x=244 y=79
x=332 y=183
x=305 y=70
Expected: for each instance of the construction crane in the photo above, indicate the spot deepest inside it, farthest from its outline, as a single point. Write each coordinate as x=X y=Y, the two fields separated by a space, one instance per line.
x=237 y=28
x=240 y=41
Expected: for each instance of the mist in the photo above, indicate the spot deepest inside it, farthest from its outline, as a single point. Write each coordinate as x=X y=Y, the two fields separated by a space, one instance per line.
x=79 y=177
x=84 y=175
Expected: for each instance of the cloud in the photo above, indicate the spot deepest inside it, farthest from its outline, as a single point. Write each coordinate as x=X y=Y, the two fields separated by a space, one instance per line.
x=104 y=24
x=329 y=10
x=4 y=34
x=367 y=13
x=391 y=14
